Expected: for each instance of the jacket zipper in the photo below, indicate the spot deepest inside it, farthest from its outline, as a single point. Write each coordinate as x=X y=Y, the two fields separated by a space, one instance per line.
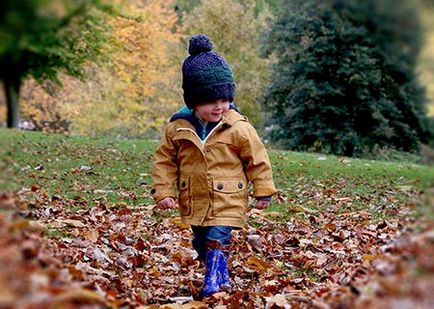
x=195 y=133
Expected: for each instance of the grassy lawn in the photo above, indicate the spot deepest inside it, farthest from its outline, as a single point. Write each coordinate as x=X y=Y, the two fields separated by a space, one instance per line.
x=109 y=171
x=114 y=171
x=76 y=167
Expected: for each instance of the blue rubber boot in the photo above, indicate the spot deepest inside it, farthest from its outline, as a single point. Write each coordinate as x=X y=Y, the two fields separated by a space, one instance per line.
x=225 y=281
x=212 y=279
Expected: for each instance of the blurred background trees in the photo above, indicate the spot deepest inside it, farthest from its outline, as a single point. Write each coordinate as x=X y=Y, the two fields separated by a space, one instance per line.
x=425 y=67
x=139 y=88
x=235 y=30
x=39 y=38
x=338 y=76
x=345 y=81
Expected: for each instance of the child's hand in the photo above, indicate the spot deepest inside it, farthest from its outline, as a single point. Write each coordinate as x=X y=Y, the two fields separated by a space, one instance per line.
x=262 y=204
x=167 y=203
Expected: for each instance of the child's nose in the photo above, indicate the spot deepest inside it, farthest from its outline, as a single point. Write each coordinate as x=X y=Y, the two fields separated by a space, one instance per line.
x=221 y=105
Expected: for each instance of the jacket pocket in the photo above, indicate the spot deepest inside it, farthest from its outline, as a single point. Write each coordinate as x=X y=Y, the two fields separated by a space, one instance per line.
x=229 y=197
x=184 y=196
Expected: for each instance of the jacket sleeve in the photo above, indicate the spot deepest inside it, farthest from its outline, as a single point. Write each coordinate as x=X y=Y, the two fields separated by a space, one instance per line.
x=165 y=169
x=257 y=163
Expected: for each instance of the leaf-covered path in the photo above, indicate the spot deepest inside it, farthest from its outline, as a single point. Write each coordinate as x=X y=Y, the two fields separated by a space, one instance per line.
x=129 y=257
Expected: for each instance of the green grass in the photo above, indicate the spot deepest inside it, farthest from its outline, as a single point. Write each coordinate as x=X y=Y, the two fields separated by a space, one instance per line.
x=319 y=182
x=120 y=173
x=119 y=170
x=57 y=233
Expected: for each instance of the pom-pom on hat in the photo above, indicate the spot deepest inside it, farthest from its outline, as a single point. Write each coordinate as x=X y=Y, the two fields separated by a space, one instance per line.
x=206 y=76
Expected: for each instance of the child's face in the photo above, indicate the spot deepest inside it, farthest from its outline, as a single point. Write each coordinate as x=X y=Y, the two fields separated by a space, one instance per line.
x=212 y=111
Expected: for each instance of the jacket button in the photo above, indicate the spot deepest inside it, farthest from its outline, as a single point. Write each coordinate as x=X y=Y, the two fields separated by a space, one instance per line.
x=183 y=184
x=240 y=185
x=220 y=186
x=153 y=191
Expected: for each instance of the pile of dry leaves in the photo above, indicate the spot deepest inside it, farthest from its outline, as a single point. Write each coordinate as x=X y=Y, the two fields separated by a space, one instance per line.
x=53 y=255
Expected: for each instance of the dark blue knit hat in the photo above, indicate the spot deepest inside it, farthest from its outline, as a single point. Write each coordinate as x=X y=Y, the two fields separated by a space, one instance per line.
x=206 y=76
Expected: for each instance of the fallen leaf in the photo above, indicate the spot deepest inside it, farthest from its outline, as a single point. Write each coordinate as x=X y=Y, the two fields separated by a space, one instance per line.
x=272 y=214
x=37 y=226
x=278 y=300
x=178 y=222
x=74 y=223
x=255 y=241
x=85 y=168
x=82 y=295
x=258 y=263
x=91 y=235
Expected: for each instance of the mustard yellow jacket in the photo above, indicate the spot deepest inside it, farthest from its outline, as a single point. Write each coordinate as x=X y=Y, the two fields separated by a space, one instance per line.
x=210 y=177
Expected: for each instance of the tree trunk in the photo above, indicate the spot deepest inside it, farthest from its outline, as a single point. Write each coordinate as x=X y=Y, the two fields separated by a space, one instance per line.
x=12 y=90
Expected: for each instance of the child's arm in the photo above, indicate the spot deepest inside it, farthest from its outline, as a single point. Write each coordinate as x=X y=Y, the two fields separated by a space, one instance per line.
x=258 y=167
x=165 y=173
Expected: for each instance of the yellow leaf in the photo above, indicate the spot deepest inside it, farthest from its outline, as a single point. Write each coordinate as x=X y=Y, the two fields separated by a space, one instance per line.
x=178 y=221
x=259 y=264
x=272 y=214
x=369 y=257
x=82 y=295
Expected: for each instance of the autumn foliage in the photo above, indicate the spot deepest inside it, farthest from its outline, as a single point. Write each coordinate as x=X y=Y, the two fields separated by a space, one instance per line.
x=145 y=66
x=122 y=256
x=44 y=111
x=134 y=87
x=132 y=94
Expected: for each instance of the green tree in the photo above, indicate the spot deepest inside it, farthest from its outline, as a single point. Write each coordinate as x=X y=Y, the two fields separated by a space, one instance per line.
x=40 y=38
x=344 y=80
x=272 y=5
x=183 y=7
x=235 y=30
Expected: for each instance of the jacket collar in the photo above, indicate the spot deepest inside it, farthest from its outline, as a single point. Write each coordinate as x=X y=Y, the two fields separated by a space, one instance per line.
x=186 y=114
x=228 y=120
x=231 y=117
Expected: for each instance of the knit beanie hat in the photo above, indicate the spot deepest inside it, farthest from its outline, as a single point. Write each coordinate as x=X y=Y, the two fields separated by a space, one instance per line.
x=206 y=76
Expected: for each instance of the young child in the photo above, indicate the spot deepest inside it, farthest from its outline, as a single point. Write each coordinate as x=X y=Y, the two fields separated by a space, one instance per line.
x=207 y=156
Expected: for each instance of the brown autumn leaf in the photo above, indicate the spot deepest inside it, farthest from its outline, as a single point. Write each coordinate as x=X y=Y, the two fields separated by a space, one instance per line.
x=135 y=260
x=77 y=295
x=72 y=222
x=92 y=234
x=7 y=297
